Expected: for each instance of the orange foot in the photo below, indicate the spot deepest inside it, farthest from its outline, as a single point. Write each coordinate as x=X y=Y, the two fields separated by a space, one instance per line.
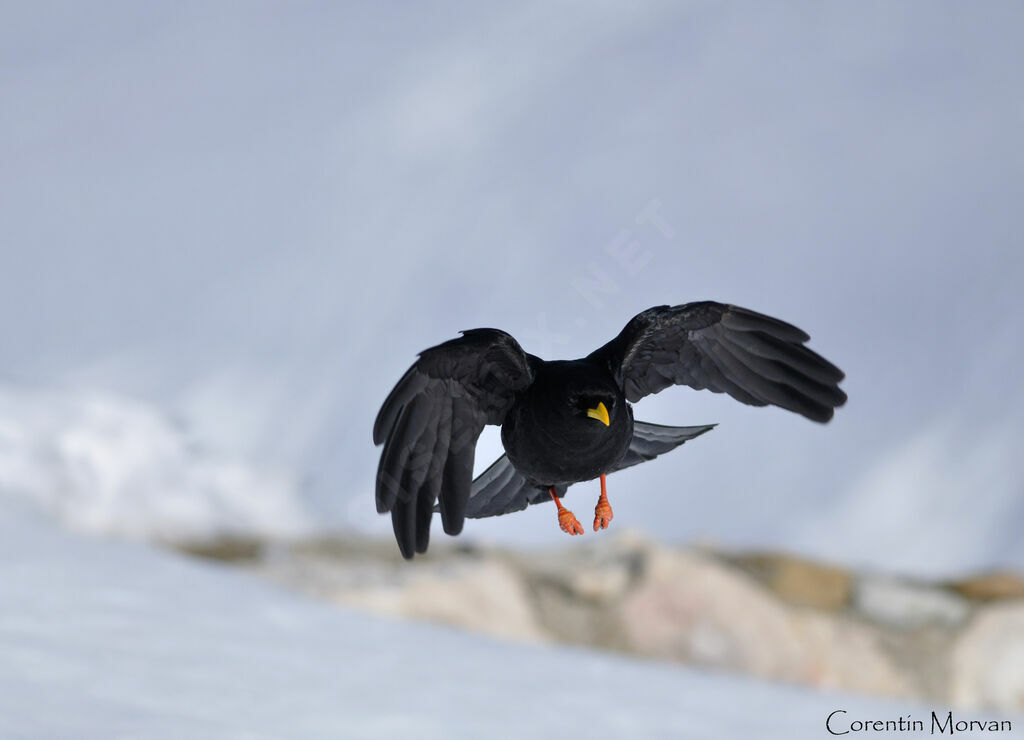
x=602 y=514
x=603 y=510
x=568 y=522
x=566 y=519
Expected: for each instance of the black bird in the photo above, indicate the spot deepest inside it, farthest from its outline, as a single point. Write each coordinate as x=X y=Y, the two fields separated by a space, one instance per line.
x=568 y=421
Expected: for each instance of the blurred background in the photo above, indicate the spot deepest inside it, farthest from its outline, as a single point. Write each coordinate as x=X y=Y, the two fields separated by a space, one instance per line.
x=227 y=230
x=226 y=235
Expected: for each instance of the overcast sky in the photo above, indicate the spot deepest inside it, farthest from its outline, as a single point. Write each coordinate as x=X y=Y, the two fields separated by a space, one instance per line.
x=254 y=216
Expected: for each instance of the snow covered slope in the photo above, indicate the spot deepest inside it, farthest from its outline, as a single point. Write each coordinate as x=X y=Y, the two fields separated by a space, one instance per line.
x=102 y=463
x=104 y=639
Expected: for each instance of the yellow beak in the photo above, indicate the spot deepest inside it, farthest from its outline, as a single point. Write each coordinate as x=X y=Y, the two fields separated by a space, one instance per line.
x=600 y=413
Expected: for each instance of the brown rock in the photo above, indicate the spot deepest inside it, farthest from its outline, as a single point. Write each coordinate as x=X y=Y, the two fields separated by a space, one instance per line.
x=228 y=548
x=694 y=609
x=993 y=586
x=798 y=581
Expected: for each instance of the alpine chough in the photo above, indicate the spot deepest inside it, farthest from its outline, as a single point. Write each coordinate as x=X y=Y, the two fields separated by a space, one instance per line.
x=568 y=421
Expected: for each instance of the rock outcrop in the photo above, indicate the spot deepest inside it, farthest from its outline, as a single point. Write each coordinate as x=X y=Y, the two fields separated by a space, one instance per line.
x=763 y=614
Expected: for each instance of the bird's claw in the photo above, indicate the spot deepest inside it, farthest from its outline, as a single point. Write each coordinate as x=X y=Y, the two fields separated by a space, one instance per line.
x=569 y=523
x=602 y=516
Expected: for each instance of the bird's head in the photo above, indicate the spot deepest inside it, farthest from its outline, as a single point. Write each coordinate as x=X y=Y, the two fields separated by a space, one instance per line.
x=598 y=407
x=577 y=399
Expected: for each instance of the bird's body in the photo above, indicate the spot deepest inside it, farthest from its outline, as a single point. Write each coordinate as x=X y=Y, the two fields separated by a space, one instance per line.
x=548 y=440
x=567 y=421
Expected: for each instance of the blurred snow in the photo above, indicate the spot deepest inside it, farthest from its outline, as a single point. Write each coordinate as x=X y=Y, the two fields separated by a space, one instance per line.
x=920 y=507
x=949 y=497
x=104 y=639
x=105 y=464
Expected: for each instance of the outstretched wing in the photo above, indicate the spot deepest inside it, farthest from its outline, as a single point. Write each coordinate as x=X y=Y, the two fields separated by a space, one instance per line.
x=754 y=358
x=501 y=489
x=429 y=426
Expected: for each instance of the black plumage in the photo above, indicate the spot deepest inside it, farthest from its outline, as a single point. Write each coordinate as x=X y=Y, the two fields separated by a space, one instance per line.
x=563 y=422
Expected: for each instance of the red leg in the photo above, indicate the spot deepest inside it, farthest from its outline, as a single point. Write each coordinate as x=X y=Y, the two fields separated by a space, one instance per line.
x=603 y=510
x=566 y=519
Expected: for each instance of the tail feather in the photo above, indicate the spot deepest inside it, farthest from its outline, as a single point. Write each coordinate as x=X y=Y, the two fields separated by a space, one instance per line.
x=501 y=489
x=651 y=440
